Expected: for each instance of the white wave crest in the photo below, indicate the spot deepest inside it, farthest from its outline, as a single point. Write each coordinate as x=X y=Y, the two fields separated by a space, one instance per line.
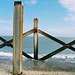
x=63 y=56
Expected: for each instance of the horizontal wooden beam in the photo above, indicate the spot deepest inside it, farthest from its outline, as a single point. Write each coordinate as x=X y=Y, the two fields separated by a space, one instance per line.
x=51 y=37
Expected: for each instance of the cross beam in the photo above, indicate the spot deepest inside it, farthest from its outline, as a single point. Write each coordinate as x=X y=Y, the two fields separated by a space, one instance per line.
x=69 y=45
x=7 y=43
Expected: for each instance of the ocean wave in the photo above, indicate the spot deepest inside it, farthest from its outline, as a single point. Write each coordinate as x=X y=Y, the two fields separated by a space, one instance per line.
x=67 y=56
x=5 y=54
x=63 y=56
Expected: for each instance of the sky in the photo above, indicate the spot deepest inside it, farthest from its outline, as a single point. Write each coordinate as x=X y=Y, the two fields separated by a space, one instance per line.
x=56 y=17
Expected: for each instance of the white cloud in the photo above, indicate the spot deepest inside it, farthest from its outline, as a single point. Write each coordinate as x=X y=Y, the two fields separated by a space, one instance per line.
x=63 y=32
x=6 y=27
x=6 y=31
x=70 y=18
x=68 y=4
x=5 y=21
x=31 y=2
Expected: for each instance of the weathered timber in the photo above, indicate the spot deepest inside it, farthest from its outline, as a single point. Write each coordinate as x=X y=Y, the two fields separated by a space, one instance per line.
x=72 y=43
x=53 y=53
x=6 y=43
x=2 y=39
x=17 y=37
x=26 y=55
x=72 y=48
x=59 y=50
x=24 y=35
x=29 y=32
x=69 y=45
x=51 y=37
x=36 y=39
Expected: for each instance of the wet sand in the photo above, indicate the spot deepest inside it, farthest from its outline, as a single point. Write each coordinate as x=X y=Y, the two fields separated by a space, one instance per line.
x=33 y=67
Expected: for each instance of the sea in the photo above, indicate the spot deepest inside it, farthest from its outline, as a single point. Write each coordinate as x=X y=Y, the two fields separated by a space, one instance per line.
x=45 y=46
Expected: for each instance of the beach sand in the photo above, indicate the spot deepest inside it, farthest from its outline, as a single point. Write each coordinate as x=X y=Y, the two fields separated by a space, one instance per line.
x=34 y=67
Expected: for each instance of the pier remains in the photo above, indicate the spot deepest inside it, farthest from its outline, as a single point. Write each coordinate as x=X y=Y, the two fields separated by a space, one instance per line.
x=18 y=35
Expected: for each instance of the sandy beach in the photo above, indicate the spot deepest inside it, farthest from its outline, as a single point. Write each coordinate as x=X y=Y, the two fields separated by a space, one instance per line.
x=34 y=67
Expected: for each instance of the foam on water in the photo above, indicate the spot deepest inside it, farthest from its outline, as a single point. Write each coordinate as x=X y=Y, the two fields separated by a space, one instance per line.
x=5 y=54
x=67 y=56
x=72 y=56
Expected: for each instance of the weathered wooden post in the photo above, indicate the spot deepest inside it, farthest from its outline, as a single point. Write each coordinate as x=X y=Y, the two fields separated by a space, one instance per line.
x=17 y=37
x=36 y=39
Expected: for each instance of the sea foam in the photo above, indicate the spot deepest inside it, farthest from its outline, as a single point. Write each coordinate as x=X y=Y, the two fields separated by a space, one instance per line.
x=72 y=56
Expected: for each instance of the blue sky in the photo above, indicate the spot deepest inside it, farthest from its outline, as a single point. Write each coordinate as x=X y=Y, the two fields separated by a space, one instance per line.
x=56 y=17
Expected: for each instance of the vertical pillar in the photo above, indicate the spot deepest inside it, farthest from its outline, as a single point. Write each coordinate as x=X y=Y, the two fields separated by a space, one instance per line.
x=36 y=39
x=17 y=37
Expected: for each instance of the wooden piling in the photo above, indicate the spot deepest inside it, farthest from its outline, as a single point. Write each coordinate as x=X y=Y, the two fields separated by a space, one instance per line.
x=36 y=39
x=17 y=37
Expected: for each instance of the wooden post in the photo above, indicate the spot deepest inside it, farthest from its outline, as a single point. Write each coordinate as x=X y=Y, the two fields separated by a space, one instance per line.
x=36 y=39
x=17 y=37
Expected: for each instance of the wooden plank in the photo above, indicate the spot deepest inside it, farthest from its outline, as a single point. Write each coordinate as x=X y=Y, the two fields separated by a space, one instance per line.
x=53 y=53
x=17 y=37
x=36 y=39
x=7 y=43
x=25 y=54
x=2 y=39
x=24 y=35
x=72 y=48
x=28 y=56
x=29 y=32
x=69 y=45
x=51 y=37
